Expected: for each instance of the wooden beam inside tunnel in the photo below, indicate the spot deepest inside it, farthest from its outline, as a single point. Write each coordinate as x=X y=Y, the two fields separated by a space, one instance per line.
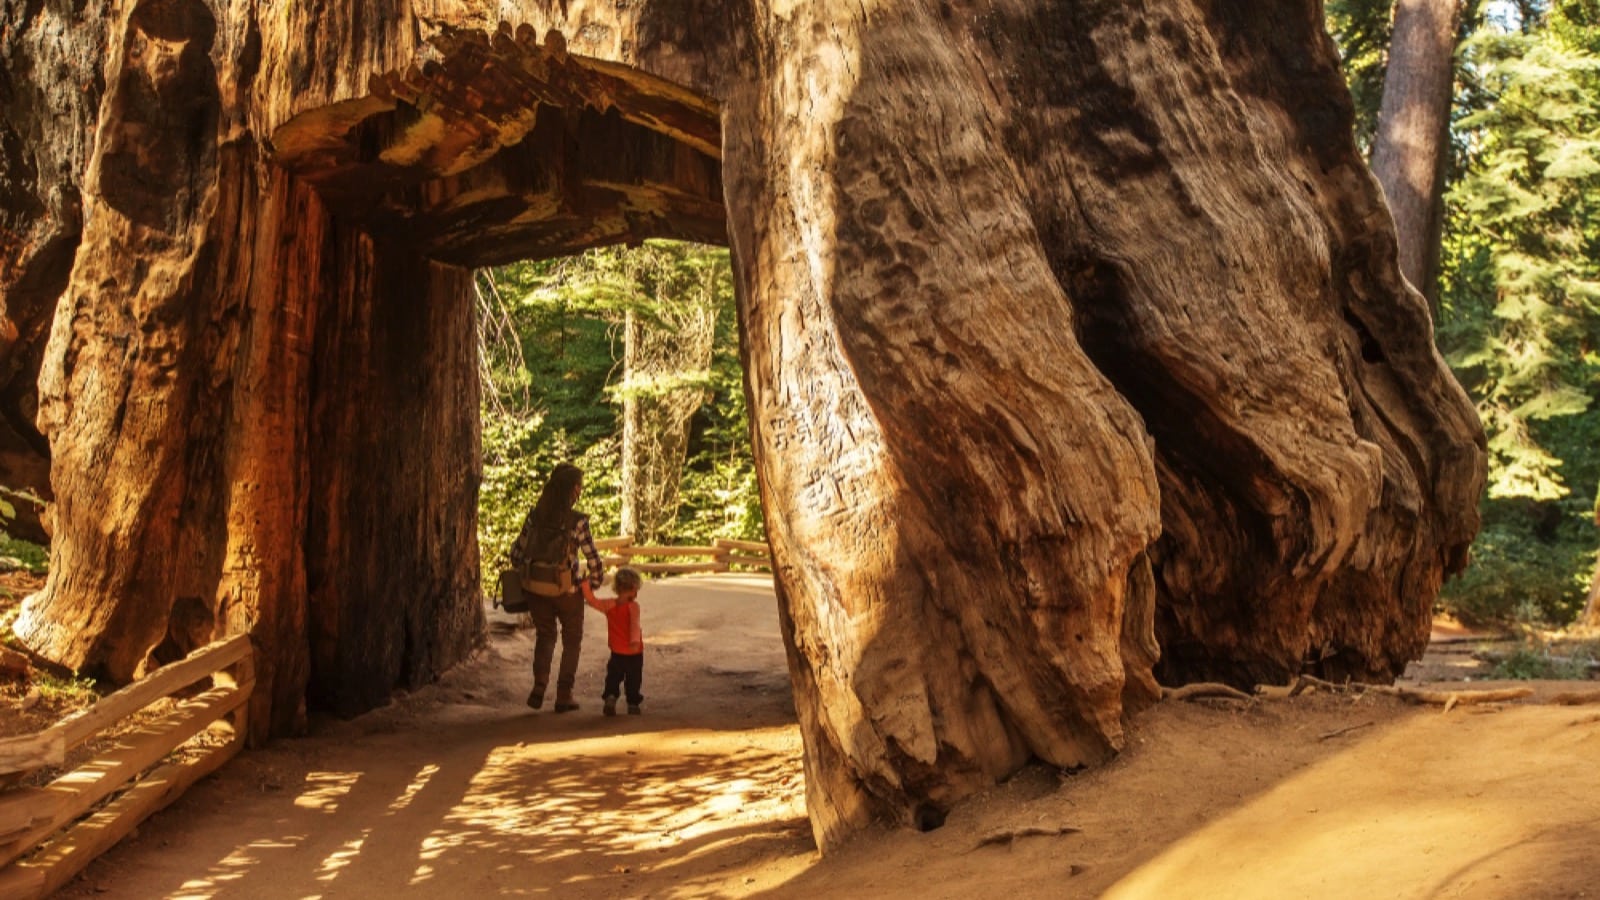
x=504 y=148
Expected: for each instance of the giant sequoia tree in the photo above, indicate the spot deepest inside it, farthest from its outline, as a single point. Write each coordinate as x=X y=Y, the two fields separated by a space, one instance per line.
x=1075 y=343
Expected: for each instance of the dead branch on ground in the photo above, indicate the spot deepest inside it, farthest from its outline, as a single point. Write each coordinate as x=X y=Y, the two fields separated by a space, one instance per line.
x=1204 y=690
x=1345 y=730
x=1576 y=698
x=1008 y=835
x=1447 y=699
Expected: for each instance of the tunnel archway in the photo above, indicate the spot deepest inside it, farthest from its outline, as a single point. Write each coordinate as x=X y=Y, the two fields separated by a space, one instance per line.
x=506 y=148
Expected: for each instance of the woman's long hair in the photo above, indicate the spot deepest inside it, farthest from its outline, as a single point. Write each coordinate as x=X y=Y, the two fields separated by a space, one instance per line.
x=555 y=501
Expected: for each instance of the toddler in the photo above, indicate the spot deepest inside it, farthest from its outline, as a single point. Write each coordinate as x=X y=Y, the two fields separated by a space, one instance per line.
x=626 y=666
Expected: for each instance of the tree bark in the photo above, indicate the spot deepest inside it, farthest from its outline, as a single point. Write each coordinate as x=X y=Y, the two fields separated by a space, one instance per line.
x=1066 y=328
x=182 y=384
x=1591 y=608
x=46 y=136
x=1409 y=154
x=1590 y=617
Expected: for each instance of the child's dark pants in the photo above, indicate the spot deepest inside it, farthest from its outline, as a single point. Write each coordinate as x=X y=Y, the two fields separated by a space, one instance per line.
x=625 y=670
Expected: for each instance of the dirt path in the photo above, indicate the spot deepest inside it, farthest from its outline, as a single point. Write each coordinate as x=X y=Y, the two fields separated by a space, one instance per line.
x=460 y=791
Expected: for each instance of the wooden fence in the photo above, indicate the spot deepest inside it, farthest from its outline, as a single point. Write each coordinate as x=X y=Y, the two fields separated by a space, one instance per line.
x=722 y=556
x=48 y=834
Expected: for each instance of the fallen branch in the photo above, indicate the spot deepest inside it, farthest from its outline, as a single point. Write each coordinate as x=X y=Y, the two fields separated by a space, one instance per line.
x=1008 y=835
x=1453 y=698
x=1345 y=730
x=1447 y=699
x=1303 y=682
x=1204 y=689
x=1576 y=698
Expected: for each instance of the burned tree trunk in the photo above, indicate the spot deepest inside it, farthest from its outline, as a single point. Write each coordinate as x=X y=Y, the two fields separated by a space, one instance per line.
x=1067 y=327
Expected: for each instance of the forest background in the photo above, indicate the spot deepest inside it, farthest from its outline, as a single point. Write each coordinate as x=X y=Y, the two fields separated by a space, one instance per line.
x=625 y=361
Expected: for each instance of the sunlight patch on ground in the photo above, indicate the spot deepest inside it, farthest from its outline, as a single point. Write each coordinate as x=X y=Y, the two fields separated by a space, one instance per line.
x=425 y=774
x=1393 y=832
x=628 y=796
x=676 y=637
x=235 y=866
x=326 y=789
x=338 y=859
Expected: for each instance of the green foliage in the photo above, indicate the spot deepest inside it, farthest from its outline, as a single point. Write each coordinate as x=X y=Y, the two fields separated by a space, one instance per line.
x=1518 y=572
x=33 y=557
x=554 y=386
x=720 y=495
x=1524 y=218
x=1530 y=664
x=71 y=691
x=1520 y=301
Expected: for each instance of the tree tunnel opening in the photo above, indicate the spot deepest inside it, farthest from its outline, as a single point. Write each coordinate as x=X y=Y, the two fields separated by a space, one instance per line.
x=624 y=361
x=508 y=152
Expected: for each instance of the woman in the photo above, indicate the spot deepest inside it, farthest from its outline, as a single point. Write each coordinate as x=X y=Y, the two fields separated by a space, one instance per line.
x=554 y=532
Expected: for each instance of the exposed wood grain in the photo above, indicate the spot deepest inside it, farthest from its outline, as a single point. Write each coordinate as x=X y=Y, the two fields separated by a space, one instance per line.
x=23 y=809
x=32 y=751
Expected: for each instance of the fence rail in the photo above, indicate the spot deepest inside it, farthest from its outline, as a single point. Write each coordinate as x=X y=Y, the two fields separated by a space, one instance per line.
x=48 y=834
x=723 y=556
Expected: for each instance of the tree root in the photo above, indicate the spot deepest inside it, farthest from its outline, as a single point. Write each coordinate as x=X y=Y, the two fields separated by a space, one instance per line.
x=1205 y=690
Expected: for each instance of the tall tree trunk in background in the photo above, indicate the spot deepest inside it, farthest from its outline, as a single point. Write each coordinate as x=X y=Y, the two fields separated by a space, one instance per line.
x=1067 y=326
x=1591 y=608
x=656 y=409
x=1590 y=617
x=1409 y=155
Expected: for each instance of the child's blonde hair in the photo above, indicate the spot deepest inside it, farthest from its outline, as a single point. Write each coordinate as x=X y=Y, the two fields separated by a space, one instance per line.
x=627 y=580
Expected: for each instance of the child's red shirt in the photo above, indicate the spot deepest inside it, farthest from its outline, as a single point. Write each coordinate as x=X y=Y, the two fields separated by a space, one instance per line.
x=622 y=623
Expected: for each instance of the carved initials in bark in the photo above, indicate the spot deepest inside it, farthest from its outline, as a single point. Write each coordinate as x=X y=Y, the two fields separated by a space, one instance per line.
x=1065 y=328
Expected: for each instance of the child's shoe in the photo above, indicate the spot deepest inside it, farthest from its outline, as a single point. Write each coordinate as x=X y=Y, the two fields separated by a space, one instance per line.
x=633 y=709
x=610 y=707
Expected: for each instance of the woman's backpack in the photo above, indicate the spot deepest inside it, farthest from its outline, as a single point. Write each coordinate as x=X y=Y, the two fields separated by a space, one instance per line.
x=548 y=569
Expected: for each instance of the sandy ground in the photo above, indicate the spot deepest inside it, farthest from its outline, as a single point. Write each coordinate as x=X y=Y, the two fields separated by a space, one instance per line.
x=459 y=790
